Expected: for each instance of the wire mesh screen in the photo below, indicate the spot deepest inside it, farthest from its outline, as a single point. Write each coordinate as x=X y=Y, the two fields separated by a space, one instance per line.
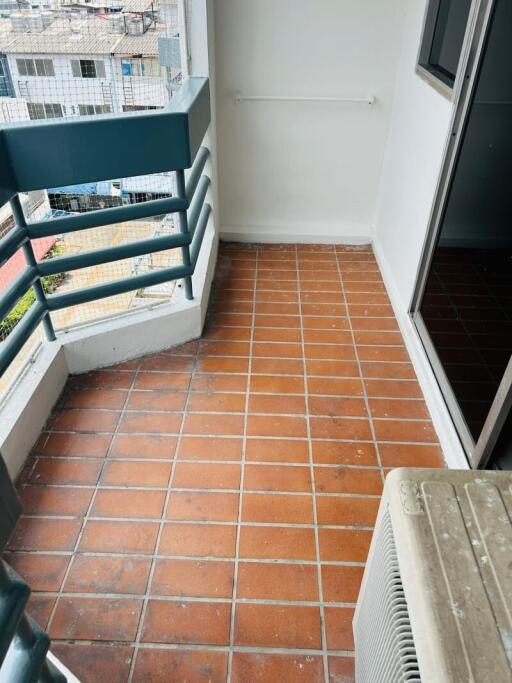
x=106 y=236
x=34 y=204
x=71 y=59
x=75 y=59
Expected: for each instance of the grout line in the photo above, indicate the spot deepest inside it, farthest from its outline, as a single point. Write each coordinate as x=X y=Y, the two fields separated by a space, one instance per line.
x=161 y=526
x=85 y=595
x=365 y=394
x=324 y=416
x=241 y=484
x=237 y=437
x=306 y=652
x=200 y=558
x=279 y=525
x=313 y=500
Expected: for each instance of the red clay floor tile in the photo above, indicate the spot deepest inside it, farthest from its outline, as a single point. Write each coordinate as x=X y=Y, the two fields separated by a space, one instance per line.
x=172 y=500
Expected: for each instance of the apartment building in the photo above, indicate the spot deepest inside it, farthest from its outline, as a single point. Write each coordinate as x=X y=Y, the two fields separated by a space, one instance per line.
x=69 y=62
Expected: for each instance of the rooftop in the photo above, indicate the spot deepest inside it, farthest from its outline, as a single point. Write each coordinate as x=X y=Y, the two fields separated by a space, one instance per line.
x=76 y=36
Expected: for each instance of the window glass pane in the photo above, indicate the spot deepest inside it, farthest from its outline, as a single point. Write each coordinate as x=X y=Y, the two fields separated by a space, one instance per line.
x=92 y=109
x=75 y=68
x=449 y=33
x=44 y=67
x=100 y=68
x=126 y=68
x=443 y=38
x=35 y=111
x=53 y=111
x=150 y=67
x=48 y=67
x=2 y=71
x=87 y=68
x=26 y=67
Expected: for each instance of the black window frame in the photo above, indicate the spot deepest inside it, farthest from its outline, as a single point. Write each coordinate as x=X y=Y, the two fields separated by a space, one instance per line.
x=433 y=33
x=88 y=68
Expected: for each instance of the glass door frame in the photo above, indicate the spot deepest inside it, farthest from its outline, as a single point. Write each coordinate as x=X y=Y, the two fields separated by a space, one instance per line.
x=479 y=452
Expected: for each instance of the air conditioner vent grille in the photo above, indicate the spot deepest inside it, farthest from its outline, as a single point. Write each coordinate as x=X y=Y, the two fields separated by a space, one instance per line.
x=385 y=651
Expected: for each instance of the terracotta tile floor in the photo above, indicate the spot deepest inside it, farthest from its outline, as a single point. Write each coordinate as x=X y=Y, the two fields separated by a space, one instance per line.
x=204 y=514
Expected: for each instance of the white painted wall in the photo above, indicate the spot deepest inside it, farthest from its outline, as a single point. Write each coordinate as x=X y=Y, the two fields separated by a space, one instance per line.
x=418 y=131
x=303 y=170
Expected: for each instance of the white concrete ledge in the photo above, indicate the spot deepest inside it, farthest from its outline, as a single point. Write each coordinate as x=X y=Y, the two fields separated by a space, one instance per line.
x=307 y=234
x=151 y=330
x=30 y=402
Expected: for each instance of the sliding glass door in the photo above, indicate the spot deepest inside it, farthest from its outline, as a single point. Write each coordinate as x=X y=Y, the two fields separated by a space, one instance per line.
x=463 y=304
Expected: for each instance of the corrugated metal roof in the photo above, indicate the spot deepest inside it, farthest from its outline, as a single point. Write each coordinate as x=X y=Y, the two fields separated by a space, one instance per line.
x=63 y=36
x=147 y=44
x=138 y=5
x=74 y=36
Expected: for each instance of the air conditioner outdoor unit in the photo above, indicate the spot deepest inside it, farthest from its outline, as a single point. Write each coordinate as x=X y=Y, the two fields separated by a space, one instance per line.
x=436 y=599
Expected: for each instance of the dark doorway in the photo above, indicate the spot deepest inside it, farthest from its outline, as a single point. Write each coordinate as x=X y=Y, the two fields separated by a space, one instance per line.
x=466 y=307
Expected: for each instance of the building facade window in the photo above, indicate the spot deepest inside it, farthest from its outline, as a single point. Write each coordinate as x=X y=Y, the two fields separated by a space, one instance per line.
x=92 y=109
x=43 y=110
x=139 y=107
x=88 y=68
x=144 y=66
x=35 y=67
x=443 y=38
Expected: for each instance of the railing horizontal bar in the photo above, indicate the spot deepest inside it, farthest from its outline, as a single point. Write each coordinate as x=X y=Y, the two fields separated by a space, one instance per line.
x=10 y=348
x=57 y=152
x=82 y=296
x=195 y=172
x=63 y=264
x=10 y=244
x=10 y=296
x=197 y=203
x=116 y=214
x=197 y=241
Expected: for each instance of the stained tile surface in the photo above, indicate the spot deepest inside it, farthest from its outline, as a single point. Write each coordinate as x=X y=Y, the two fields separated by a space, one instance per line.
x=204 y=513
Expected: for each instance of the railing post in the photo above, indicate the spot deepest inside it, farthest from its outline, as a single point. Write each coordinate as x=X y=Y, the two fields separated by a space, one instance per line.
x=19 y=218
x=183 y=222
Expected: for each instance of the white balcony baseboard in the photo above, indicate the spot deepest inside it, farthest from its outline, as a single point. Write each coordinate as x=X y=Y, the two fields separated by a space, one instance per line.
x=454 y=454
x=308 y=234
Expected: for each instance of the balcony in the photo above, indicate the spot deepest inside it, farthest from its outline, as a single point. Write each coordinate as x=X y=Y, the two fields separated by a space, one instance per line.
x=200 y=471
x=211 y=506
x=208 y=508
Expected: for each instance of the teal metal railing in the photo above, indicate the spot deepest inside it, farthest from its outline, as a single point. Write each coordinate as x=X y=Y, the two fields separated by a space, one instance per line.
x=23 y=644
x=69 y=152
